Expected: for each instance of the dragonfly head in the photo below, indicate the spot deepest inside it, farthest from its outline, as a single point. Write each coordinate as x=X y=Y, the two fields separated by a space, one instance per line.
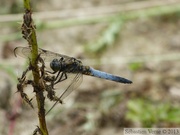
x=56 y=65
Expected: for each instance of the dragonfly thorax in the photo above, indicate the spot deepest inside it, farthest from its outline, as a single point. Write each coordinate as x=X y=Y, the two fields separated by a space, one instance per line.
x=70 y=65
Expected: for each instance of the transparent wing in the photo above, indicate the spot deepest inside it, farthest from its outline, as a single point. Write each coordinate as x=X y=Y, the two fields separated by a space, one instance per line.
x=76 y=81
x=25 y=52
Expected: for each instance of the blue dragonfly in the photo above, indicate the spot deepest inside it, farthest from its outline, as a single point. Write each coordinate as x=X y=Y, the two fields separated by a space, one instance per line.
x=64 y=65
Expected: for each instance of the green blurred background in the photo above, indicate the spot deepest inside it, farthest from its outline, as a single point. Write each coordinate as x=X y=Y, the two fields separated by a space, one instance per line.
x=136 y=39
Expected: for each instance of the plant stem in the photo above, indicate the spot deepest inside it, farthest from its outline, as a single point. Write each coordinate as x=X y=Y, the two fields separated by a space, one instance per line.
x=29 y=34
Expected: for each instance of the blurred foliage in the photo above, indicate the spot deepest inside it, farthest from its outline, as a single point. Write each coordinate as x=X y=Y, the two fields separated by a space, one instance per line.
x=168 y=17
x=12 y=7
x=90 y=125
x=15 y=7
x=10 y=70
x=107 y=39
x=111 y=19
x=149 y=113
x=109 y=99
x=135 y=66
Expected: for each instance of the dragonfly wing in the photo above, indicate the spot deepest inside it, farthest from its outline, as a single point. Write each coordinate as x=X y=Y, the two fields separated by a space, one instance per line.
x=25 y=52
x=107 y=76
x=76 y=81
x=49 y=56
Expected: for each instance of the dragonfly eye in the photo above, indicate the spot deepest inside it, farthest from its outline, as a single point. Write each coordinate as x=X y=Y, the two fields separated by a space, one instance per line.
x=55 y=65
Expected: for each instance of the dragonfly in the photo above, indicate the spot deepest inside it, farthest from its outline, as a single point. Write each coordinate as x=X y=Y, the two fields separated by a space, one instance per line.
x=64 y=65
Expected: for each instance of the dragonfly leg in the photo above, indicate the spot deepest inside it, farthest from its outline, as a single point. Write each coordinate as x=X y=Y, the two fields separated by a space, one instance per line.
x=37 y=130
x=62 y=77
x=51 y=72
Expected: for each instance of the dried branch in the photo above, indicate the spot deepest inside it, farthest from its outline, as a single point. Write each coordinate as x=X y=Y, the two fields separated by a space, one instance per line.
x=29 y=33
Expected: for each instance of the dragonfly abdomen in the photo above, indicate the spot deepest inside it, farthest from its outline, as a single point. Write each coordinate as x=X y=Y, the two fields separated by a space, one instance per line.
x=107 y=76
